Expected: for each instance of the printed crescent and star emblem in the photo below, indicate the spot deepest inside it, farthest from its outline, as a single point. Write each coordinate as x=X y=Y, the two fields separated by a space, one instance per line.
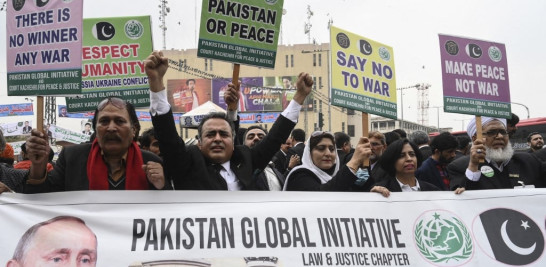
x=509 y=236
x=41 y=3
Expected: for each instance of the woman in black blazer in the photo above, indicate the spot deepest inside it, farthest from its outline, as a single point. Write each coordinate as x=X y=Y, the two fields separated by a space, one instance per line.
x=401 y=160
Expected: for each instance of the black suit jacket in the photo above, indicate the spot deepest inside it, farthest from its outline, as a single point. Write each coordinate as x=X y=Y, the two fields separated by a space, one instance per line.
x=305 y=180
x=70 y=172
x=426 y=151
x=280 y=161
x=27 y=129
x=393 y=185
x=295 y=150
x=378 y=174
x=192 y=171
x=524 y=167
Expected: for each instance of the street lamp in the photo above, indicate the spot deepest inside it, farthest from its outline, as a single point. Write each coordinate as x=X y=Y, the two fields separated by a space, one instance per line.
x=402 y=101
x=528 y=115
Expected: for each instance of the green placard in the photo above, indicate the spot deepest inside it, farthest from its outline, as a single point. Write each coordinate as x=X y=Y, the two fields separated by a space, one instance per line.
x=113 y=54
x=244 y=32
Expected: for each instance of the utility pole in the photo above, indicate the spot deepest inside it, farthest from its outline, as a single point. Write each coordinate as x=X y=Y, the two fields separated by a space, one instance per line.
x=307 y=31
x=164 y=10
x=438 y=115
x=329 y=86
x=51 y=110
x=308 y=25
x=330 y=22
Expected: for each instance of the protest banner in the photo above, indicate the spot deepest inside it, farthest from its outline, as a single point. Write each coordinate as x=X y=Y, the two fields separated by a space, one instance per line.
x=281 y=91
x=113 y=53
x=240 y=31
x=252 y=118
x=16 y=110
x=17 y=147
x=184 y=95
x=62 y=134
x=250 y=94
x=44 y=40
x=229 y=229
x=16 y=128
x=363 y=76
x=258 y=93
x=475 y=77
x=141 y=115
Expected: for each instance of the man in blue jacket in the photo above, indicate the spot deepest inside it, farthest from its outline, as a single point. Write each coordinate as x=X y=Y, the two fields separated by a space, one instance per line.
x=434 y=169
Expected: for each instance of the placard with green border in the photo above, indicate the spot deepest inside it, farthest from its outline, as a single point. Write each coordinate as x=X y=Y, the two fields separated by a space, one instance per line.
x=243 y=32
x=43 y=47
x=363 y=76
x=113 y=53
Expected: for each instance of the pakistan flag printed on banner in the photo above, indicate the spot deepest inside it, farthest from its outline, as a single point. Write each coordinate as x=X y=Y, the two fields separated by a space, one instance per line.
x=113 y=53
x=362 y=74
x=443 y=239
x=244 y=32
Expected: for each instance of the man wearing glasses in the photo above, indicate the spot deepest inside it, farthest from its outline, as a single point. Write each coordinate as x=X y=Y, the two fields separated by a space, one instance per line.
x=113 y=161
x=501 y=167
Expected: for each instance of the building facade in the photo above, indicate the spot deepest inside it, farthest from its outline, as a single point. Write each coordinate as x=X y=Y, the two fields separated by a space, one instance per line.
x=291 y=60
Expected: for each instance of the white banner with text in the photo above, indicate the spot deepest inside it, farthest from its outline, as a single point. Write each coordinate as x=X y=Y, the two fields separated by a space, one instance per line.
x=205 y=228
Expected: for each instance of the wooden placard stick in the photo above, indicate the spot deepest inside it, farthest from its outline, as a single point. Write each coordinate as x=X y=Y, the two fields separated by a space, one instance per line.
x=365 y=130
x=40 y=113
x=235 y=81
x=479 y=134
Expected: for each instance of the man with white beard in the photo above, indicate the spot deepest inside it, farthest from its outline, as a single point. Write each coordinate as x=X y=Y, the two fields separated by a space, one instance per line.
x=501 y=167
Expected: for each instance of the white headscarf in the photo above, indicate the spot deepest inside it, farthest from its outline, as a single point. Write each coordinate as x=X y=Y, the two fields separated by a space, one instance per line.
x=307 y=163
x=471 y=128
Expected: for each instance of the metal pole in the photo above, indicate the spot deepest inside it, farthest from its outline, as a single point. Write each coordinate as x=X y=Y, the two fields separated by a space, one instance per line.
x=305 y=106
x=438 y=117
x=329 y=95
x=402 y=104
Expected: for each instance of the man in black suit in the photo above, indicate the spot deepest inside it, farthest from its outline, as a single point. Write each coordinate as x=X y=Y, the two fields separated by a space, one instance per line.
x=280 y=157
x=215 y=163
x=269 y=178
x=27 y=128
x=343 y=145
x=501 y=167
x=113 y=161
x=298 y=138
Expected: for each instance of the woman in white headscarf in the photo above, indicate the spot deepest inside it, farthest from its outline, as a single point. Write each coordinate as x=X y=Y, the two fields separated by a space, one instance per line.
x=321 y=170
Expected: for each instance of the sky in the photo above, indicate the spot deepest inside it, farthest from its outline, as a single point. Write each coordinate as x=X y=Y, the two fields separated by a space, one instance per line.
x=411 y=27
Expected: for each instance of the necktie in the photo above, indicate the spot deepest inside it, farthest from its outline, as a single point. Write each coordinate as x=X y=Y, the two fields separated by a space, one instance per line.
x=217 y=168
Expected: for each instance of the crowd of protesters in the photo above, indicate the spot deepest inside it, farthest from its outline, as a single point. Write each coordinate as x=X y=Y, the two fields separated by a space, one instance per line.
x=226 y=157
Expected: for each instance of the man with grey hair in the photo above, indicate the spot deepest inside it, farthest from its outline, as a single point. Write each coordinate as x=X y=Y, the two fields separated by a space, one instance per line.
x=62 y=241
x=422 y=140
x=500 y=168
